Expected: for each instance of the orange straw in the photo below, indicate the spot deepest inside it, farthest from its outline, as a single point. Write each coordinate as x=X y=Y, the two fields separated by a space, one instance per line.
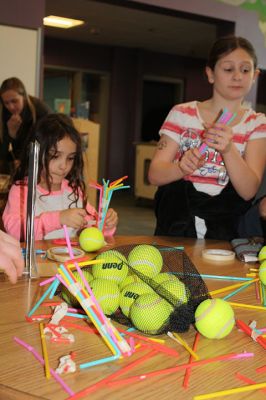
x=188 y=370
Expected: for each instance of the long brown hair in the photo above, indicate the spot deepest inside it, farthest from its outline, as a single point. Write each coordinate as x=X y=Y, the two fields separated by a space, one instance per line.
x=18 y=86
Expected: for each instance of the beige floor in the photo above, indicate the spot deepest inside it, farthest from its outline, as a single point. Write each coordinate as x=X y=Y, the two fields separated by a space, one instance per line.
x=136 y=216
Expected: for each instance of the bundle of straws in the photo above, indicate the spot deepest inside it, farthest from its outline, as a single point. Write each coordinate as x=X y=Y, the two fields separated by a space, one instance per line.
x=106 y=191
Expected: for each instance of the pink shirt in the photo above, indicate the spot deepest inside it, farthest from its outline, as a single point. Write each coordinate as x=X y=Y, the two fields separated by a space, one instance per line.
x=47 y=212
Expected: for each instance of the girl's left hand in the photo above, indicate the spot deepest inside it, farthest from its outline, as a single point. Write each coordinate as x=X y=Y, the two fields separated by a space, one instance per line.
x=111 y=220
x=218 y=137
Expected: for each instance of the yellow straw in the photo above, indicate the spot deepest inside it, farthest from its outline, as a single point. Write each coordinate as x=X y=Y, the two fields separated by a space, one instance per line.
x=84 y=263
x=247 y=306
x=157 y=340
x=184 y=344
x=230 y=391
x=260 y=290
x=45 y=352
x=228 y=288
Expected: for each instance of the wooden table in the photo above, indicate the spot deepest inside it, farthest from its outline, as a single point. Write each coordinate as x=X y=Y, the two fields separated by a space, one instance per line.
x=22 y=377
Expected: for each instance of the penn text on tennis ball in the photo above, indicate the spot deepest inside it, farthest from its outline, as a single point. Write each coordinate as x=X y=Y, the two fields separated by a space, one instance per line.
x=214 y=318
x=91 y=239
x=114 y=266
x=67 y=296
x=128 y=280
x=146 y=259
x=175 y=290
x=107 y=294
x=164 y=277
x=262 y=254
x=150 y=313
x=262 y=272
x=131 y=293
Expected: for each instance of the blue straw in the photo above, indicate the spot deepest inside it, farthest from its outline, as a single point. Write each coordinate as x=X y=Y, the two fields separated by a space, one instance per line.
x=236 y=291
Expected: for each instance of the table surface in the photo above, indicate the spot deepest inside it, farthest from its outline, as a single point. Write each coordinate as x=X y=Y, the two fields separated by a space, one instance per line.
x=22 y=377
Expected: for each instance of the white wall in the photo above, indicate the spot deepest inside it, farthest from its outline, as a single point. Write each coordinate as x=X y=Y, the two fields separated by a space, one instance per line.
x=20 y=50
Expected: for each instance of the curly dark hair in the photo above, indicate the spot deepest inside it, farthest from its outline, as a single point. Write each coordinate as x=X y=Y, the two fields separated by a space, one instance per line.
x=49 y=131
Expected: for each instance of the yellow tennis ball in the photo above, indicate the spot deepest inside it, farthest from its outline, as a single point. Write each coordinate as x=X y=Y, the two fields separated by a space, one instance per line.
x=128 y=280
x=150 y=313
x=91 y=239
x=67 y=296
x=107 y=294
x=214 y=318
x=164 y=277
x=262 y=254
x=262 y=272
x=176 y=291
x=114 y=266
x=131 y=293
x=146 y=259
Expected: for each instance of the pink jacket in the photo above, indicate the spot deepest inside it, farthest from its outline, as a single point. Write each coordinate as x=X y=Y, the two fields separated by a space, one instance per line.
x=47 y=213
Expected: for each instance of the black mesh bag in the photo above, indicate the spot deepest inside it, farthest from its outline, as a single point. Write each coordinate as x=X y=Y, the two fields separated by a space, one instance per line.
x=175 y=285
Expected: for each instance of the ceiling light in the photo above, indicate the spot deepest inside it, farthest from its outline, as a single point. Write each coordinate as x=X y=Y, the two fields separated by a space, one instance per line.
x=60 y=22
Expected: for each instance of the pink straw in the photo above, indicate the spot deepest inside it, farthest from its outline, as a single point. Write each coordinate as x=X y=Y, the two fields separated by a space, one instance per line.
x=41 y=360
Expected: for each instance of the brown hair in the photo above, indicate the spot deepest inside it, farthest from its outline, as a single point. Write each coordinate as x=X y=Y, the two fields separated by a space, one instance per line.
x=18 y=86
x=225 y=45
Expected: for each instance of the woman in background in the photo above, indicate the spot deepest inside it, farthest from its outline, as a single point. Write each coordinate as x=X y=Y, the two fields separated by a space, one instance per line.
x=19 y=113
x=204 y=195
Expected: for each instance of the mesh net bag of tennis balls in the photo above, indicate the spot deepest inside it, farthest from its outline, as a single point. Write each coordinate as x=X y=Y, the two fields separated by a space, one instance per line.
x=152 y=288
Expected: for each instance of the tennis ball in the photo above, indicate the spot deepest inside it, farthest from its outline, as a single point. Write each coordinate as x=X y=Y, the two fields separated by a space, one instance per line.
x=107 y=294
x=164 y=277
x=131 y=293
x=150 y=313
x=146 y=259
x=91 y=239
x=262 y=272
x=175 y=290
x=262 y=254
x=214 y=318
x=67 y=296
x=114 y=266
x=128 y=280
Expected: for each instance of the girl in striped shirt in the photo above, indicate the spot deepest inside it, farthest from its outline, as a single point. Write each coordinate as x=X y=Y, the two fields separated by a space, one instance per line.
x=204 y=195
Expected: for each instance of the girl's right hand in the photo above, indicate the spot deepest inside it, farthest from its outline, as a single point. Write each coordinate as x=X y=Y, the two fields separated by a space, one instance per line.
x=73 y=218
x=190 y=161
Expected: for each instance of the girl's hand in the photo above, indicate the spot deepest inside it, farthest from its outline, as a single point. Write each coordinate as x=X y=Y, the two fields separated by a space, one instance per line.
x=219 y=137
x=11 y=260
x=13 y=125
x=111 y=219
x=73 y=218
x=190 y=161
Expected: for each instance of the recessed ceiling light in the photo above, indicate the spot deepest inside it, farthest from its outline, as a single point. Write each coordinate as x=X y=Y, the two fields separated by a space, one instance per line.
x=60 y=22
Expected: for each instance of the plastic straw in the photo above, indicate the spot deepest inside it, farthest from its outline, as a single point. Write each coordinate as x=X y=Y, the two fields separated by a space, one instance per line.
x=167 y=371
x=247 y=306
x=178 y=338
x=103 y=382
x=237 y=291
x=227 y=288
x=188 y=370
x=41 y=360
x=230 y=391
x=247 y=380
x=45 y=353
